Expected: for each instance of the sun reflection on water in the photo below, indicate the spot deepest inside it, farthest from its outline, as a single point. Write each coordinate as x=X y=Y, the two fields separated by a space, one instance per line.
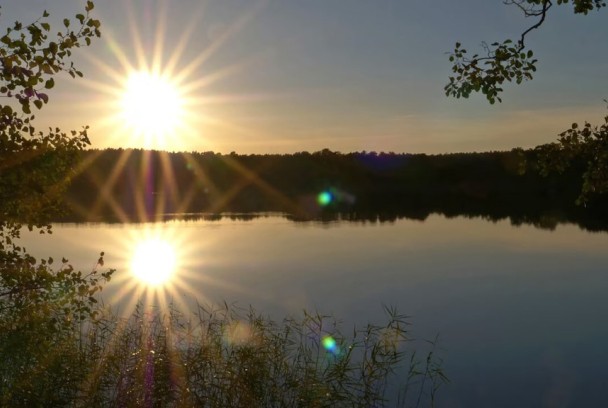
x=154 y=261
x=157 y=267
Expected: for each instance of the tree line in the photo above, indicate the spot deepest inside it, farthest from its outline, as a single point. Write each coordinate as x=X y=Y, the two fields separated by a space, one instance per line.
x=142 y=185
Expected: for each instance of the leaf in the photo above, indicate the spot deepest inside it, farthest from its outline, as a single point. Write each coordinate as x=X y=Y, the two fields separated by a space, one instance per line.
x=50 y=83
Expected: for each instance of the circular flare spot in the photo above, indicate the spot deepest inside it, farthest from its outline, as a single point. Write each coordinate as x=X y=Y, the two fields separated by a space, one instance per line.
x=329 y=344
x=324 y=198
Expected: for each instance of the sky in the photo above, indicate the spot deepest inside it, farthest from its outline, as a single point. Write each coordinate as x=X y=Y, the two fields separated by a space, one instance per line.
x=283 y=76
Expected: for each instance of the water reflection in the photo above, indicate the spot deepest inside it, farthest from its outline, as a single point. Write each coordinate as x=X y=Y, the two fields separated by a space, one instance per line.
x=154 y=262
x=542 y=218
x=505 y=300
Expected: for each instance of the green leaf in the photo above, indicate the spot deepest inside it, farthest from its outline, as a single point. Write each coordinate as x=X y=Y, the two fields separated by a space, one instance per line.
x=6 y=110
x=50 y=83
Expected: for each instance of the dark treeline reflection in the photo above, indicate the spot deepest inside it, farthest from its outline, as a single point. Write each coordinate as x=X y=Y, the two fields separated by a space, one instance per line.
x=138 y=185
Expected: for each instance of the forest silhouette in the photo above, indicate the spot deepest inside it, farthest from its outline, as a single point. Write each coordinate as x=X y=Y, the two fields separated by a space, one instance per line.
x=117 y=185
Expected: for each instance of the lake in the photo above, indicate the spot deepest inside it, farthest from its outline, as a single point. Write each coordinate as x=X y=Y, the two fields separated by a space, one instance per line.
x=521 y=312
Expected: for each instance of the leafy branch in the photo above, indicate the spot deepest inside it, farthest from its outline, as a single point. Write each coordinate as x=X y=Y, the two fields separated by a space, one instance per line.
x=505 y=61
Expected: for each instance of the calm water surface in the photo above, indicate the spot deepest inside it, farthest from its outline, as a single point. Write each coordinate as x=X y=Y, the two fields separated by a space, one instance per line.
x=521 y=313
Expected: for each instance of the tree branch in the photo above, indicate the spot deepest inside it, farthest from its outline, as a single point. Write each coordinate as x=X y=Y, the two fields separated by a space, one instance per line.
x=543 y=14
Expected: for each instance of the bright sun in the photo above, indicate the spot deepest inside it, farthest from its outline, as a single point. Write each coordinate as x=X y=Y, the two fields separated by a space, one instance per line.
x=152 y=107
x=153 y=262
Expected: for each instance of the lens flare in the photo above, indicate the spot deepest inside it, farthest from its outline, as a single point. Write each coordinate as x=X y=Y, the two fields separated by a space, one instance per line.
x=329 y=344
x=238 y=333
x=325 y=198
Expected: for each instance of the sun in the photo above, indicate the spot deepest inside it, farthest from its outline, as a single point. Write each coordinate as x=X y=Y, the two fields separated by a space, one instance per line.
x=158 y=86
x=153 y=262
x=152 y=107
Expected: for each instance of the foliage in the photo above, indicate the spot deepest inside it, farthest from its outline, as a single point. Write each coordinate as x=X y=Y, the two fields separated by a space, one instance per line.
x=505 y=61
x=34 y=164
x=39 y=305
x=41 y=366
x=509 y=61
x=587 y=145
x=223 y=357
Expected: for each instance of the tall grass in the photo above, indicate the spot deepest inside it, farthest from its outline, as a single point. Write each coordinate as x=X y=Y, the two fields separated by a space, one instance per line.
x=226 y=357
x=219 y=357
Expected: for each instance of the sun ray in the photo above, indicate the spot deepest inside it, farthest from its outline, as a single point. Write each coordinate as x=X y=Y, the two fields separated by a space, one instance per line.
x=210 y=78
x=146 y=56
x=183 y=41
x=196 y=63
x=234 y=29
x=138 y=45
x=106 y=194
x=170 y=183
x=120 y=55
x=147 y=199
x=160 y=33
x=236 y=98
x=201 y=176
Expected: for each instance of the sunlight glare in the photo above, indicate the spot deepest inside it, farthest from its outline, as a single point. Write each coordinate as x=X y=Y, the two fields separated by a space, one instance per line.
x=154 y=262
x=155 y=93
x=151 y=105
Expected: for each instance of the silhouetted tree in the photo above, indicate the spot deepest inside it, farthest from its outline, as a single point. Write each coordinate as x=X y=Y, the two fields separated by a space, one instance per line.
x=509 y=61
x=505 y=61
x=40 y=301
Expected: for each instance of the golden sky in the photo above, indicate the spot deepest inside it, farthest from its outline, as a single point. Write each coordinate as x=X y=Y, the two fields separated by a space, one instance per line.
x=285 y=76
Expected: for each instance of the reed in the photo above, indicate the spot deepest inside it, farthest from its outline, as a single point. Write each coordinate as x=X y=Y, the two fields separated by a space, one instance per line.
x=229 y=357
